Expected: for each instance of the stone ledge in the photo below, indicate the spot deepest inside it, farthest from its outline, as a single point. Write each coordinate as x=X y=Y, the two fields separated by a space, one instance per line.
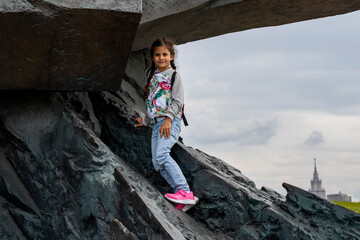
x=55 y=45
x=214 y=18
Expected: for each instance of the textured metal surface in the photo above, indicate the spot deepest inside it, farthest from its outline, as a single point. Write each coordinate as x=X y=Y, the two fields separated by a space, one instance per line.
x=56 y=45
x=58 y=153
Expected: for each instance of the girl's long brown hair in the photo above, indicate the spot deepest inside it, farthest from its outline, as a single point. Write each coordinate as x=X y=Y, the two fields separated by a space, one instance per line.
x=169 y=44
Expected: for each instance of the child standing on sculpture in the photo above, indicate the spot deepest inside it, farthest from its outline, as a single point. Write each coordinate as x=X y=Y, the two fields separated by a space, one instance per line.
x=164 y=104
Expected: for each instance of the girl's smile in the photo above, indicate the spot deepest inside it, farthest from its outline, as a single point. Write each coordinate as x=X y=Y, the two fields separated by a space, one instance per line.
x=162 y=58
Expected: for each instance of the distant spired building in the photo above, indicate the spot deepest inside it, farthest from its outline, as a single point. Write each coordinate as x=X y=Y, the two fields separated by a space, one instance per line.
x=316 y=184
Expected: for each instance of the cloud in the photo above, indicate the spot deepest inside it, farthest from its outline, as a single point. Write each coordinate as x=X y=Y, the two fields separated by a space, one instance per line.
x=315 y=138
x=258 y=133
x=279 y=68
x=212 y=128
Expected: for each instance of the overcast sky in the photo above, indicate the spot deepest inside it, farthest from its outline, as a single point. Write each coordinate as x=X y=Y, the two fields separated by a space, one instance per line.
x=268 y=101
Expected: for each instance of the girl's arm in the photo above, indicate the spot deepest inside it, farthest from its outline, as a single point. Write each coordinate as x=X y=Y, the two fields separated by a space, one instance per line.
x=177 y=98
x=177 y=101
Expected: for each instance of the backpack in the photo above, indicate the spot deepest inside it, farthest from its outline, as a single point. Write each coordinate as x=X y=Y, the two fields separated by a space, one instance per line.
x=172 y=83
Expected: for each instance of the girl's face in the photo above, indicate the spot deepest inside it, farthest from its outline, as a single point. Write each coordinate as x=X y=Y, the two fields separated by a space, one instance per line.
x=162 y=58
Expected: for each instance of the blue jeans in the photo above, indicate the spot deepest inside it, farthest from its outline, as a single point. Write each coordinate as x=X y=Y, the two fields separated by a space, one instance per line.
x=162 y=161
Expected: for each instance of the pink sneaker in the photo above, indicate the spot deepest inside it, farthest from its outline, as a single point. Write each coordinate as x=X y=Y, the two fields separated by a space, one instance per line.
x=187 y=207
x=181 y=197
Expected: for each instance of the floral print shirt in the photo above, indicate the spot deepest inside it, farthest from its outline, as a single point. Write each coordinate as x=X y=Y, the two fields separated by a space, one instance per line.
x=163 y=100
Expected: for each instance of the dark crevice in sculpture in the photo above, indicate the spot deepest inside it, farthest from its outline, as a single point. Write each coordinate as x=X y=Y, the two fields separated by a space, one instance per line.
x=45 y=7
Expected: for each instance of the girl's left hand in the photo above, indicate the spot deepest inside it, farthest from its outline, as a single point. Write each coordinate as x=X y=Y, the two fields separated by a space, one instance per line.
x=165 y=128
x=139 y=121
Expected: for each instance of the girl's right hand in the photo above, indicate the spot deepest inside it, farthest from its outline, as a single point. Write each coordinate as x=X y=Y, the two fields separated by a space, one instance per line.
x=140 y=122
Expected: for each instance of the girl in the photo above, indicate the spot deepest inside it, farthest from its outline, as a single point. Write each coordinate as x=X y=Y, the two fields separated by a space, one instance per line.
x=164 y=108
